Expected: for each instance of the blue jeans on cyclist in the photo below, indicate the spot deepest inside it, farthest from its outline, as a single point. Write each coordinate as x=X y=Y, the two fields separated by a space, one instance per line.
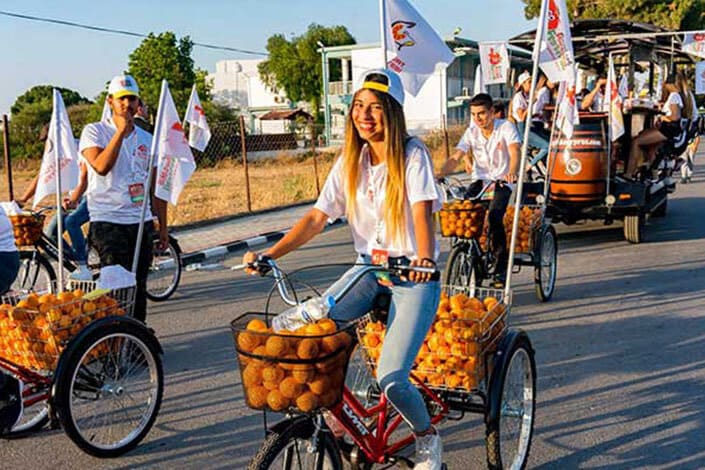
x=496 y=233
x=411 y=314
x=72 y=224
x=9 y=265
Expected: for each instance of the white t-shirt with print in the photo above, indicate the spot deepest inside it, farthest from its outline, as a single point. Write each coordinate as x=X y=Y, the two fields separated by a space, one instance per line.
x=519 y=102
x=7 y=235
x=673 y=98
x=491 y=156
x=108 y=196
x=370 y=196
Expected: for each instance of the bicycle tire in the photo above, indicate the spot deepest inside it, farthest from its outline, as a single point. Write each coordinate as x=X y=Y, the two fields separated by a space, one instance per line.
x=31 y=422
x=157 y=291
x=461 y=268
x=514 y=350
x=34 y=267
x=96 y=369
x=546 y=265
x=286 y=434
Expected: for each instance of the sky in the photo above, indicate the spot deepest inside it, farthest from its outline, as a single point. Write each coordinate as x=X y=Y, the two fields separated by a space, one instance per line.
x=34 y=53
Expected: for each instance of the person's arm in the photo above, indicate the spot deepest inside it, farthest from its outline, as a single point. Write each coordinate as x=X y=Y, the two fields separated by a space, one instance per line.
x=159 y=207
x=79 y=189
x=521 y=112
x=29 y=192
x=422 y=217
x=514 y=155
x=103 y=159
x=305 y=229
x=590 y=97
x=452 y=162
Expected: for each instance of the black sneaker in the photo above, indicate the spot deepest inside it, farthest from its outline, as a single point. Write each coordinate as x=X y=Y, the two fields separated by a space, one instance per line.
x=499 y=280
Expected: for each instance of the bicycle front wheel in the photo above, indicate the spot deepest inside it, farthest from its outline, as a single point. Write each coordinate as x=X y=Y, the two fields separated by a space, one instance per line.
x=165 y=272
x=109 y=385
x=36 y=273
x=461 y=268
x=290 y=445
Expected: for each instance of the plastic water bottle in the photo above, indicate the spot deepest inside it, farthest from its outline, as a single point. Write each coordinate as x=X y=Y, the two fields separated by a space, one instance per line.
x=310 y=311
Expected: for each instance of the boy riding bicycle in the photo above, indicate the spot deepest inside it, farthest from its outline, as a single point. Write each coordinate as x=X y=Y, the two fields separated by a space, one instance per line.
x=494 y=145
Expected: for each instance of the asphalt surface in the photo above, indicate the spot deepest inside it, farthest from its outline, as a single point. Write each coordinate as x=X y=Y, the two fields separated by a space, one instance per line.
x=620 y=352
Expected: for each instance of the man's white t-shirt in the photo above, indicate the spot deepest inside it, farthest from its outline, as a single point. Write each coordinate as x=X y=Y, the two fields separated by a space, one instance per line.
x=519 y=102
x=368 y=220
x=597 y=102
x=673 y=98
x=491 y=156
x=7 y=235
x=543 y=97
x=109 y=198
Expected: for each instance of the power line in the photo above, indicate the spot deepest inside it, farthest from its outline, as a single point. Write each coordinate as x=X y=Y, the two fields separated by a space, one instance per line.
x=119 y=31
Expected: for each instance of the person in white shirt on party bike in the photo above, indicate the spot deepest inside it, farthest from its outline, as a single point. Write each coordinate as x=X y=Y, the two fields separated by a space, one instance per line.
x=384 y=184
x=495 y=147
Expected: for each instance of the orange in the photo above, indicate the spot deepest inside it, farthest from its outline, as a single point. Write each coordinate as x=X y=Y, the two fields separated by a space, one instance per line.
x=276 y=400
x=247 y=341
x=303 y=374
x=252 y=375
x=308 y=349
x=288 y=365
x=77 y=294
x=257 y=397
x=32 y=300
x=89 y=307
x=270 y=385
x=273 y=374
x=328 y=325
x=290 y=388
x=64 y=297
x=260 y=350
x=370 y=340
x=330 y=343
x=453 y=381
x=307 y=401
x=257 y=325
x=314 y=330
x=276 y=346
x=319 y=384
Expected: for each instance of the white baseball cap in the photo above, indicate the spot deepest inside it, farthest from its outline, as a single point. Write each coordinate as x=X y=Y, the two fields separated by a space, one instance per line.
x=123 y=85
x=524 y=76
x=386 y=81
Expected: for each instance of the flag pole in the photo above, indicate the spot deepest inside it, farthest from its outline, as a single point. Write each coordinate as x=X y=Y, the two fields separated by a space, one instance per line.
x=383 y=29
x=610 y=78
x=148 y=183
x=59 y=212
x=524 y=148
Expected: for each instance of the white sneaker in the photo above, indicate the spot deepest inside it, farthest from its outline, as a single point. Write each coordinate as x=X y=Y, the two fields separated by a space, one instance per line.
x=429 y=451
x=82 y=273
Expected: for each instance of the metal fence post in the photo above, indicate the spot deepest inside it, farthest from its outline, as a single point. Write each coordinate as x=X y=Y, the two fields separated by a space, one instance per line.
x=446 y=145
x=6 y=145
x=315 y=162
x=244 y=162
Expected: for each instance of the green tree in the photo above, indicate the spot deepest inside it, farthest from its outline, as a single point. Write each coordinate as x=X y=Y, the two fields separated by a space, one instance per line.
x=163 y=56
x=45 y=94
x=294 y=66
x=672 y=14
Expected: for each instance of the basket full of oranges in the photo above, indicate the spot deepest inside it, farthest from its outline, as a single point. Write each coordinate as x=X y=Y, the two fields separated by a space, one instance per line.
x=462 y=219
x=466 y=328
x=34 y=328
x=295 y=371
x=27 y=228
x=530 y=221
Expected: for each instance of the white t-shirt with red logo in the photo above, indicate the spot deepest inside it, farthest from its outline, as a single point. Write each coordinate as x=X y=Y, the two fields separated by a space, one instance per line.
x=115 y=197
x=490 y=156
x=368 y=222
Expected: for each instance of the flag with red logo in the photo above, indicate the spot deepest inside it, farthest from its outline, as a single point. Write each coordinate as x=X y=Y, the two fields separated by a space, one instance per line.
x=556 y=57
x=567 y=116
x=175 y=163
x=417 y=48
x=495 y=62
x=694 y=43
x=59 y=152
x=199 y=133
x=613 y=104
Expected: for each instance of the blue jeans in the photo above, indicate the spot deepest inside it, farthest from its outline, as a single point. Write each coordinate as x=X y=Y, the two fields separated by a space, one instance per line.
x=72 y=224
x=9 y=265
x=411 y=314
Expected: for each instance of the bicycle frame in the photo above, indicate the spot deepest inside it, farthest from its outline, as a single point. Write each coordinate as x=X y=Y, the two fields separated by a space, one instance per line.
x=375 y=445
x=29 y=395
x=51 y=249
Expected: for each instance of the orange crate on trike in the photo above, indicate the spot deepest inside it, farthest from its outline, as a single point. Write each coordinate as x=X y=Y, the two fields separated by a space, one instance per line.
x=462 y=219
x=301 y=371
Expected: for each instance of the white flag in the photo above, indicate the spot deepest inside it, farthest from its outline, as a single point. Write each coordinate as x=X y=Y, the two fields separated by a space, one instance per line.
x=199 y=133
x=62 y=150
x=700 y=78
x=613 y=104
x=175 y=163
x=624 y=86
x=107 y=113
x=479 y=84
x=694 y=43
x=417 y=47
x=556 y=56
x=495 y=62
x=567 y=115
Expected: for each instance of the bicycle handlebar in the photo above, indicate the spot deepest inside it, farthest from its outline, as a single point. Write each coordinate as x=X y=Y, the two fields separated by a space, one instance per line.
x=454 y=191
x=264 y=264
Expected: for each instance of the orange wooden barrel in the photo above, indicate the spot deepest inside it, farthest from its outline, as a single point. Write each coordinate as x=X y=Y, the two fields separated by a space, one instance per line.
x=580 y=167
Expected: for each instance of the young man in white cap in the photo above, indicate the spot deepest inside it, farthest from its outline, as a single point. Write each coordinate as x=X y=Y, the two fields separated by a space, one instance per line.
x=117 y=153
x=494 y=144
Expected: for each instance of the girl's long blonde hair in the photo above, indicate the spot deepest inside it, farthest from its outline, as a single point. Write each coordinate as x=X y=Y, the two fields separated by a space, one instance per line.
x=671 y=85
x=684 y=90
x=395 y=137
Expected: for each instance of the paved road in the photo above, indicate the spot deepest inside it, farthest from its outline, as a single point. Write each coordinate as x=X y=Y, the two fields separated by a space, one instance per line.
x=620 y=352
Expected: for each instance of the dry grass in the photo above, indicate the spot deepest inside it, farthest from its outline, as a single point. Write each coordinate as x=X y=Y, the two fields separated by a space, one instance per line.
x=221 y=191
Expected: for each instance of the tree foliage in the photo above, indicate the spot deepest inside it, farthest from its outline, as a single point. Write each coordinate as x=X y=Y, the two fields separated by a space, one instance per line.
x=672 y=14
x=294 y=66
x=163 y=56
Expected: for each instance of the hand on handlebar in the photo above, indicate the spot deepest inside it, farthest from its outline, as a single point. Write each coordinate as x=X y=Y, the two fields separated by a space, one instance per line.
x=256 y=263
x=419 y=277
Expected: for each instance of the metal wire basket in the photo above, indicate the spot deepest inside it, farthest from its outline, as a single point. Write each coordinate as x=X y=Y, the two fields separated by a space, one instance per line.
x=462 y=219
x=27 y=228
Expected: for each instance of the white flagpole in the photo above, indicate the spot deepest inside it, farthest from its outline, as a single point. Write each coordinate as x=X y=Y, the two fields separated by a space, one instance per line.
x=524 y=147
x=148 y=183
x=383 y=30
x=59 y=212
x=610 y=77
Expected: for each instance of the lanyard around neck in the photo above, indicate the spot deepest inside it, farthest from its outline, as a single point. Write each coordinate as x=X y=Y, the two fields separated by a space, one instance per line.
x=374 y=199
